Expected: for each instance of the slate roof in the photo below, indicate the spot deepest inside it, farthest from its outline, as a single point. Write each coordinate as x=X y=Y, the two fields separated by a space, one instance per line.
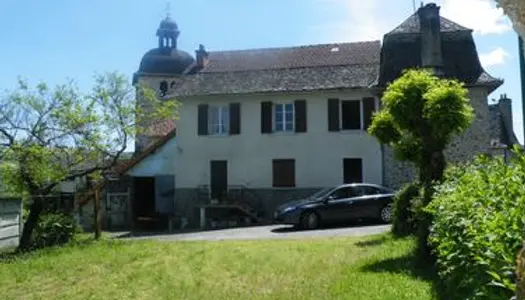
x=291 y=69
x=277 y=80
x=411 y=25
x=324 y=55
x=402 y=50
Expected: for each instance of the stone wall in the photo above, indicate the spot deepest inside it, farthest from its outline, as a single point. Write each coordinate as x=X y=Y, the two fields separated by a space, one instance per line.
x=263 y=201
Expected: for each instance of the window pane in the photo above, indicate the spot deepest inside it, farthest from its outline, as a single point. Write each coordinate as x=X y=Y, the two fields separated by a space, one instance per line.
x=225 y=119
x=351 y=114
x=289 y=126
x=278 y=107
x=278 y=117
x=289 y=108
x=279 y=126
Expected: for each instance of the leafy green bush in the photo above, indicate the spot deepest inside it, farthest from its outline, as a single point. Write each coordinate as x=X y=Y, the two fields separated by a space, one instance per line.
x=54 y=229
x=479 y=217
x=404 y=216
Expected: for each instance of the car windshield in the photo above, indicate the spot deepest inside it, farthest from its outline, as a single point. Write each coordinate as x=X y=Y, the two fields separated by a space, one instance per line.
x=321 y=193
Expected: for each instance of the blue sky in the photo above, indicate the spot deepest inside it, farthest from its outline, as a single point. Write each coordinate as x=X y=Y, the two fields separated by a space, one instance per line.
x=55 y=40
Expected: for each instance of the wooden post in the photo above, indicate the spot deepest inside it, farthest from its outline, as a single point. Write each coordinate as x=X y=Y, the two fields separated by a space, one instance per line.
x=96 y=213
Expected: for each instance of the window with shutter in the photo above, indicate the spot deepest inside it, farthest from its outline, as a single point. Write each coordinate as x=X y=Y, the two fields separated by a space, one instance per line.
x=333 y=115
x=369 y=106
x=266 y=117
x=283 y=172
x=351 y=115
x=218 y=120
x=284 y=117
x=202 y=119
x=300 y=115
x=235 y=118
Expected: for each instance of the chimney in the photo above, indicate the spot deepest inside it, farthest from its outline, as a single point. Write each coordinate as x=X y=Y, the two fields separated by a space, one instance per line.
x=202 y=56
x=430 y=24
x=505 y=106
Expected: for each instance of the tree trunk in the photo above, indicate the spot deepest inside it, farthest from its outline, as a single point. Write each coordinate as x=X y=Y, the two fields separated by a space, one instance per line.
x=96 y=213
x=520 y=275
x=34 y=214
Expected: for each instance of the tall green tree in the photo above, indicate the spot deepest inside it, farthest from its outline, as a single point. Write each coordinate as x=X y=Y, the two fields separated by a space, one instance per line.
x=51 y=135
x=420 y=115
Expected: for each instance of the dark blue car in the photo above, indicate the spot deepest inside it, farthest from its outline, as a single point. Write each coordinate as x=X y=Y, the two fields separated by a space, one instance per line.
x=338 y=205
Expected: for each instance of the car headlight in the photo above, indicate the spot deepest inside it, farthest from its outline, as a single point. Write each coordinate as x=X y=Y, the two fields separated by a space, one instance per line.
x=288 y=209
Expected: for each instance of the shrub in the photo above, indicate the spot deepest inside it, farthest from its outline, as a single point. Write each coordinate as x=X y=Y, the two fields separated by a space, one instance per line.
x=54 y=229
x=479 y=217
x=404 y=216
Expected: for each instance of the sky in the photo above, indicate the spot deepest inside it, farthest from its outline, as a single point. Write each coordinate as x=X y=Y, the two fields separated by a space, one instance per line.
x=57 y=40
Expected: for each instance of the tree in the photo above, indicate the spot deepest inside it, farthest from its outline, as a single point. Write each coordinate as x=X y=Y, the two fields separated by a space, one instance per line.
x=49 y=136
x=515 y=10
x=420 y=115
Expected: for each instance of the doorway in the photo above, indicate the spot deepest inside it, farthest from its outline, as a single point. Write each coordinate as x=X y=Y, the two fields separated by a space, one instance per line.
x=144 y=213
x=218 y=179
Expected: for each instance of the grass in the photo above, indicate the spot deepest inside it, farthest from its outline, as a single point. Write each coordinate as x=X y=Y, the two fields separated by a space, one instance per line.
x=334 y=268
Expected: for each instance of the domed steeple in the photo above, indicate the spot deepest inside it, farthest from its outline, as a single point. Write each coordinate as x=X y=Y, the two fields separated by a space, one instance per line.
x=166 y=59
x=168 y=33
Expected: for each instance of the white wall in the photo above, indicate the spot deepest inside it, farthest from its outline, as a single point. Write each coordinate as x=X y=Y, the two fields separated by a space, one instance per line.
x=318 y=153
x=162 y=162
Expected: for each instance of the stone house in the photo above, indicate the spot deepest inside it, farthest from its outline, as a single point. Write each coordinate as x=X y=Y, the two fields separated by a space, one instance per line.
x=264 y=126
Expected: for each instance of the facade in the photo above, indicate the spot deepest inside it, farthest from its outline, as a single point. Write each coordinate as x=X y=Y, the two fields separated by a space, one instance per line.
x=279 y=123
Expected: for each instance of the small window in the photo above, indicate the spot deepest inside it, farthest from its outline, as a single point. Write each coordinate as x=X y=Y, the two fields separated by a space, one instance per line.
x=218 y=120
x=163 y=88
x=283 y=172
x=352 y=170
x=351 y=115
x=284 y=117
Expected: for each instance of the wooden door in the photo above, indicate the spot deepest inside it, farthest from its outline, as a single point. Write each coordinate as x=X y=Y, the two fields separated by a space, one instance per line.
x=219 y=179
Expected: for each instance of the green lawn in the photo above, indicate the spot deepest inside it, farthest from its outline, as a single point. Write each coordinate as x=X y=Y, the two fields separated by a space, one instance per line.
x=334 y=268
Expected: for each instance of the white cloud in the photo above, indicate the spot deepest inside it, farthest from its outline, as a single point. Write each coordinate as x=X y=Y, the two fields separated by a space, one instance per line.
x=497 y=56
x=359 y=20
x=480 y=15
x=352 y=20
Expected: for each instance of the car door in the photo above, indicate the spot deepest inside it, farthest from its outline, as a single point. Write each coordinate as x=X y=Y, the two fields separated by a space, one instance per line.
x=337 y=206
x=364 y=201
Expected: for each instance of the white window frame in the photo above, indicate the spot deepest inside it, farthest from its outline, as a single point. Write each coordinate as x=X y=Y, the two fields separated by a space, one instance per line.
x=361 y=114
x=274 y=117
x=222 y=125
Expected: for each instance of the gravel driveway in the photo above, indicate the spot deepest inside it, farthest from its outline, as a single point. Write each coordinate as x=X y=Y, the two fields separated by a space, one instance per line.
x=263 y=232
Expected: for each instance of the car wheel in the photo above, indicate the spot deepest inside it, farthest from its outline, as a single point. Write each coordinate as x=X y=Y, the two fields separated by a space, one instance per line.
x=309 y=220
x=387 y=213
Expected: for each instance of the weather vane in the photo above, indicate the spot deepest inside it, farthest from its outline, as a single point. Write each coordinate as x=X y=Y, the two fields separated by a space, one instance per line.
x=168 y=9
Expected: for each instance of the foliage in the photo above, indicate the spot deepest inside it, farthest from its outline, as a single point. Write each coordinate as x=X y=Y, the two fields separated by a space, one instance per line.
x=515 y=10
x=404 y=216
x=371 y=268
x=54 y=229
x=421 y=113
x=479 y=216
x=53 y=135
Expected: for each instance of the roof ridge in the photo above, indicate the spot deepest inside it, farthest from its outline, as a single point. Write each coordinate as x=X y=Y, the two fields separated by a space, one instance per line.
x=296 y=47
x=415 y=17
x=293 y=68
